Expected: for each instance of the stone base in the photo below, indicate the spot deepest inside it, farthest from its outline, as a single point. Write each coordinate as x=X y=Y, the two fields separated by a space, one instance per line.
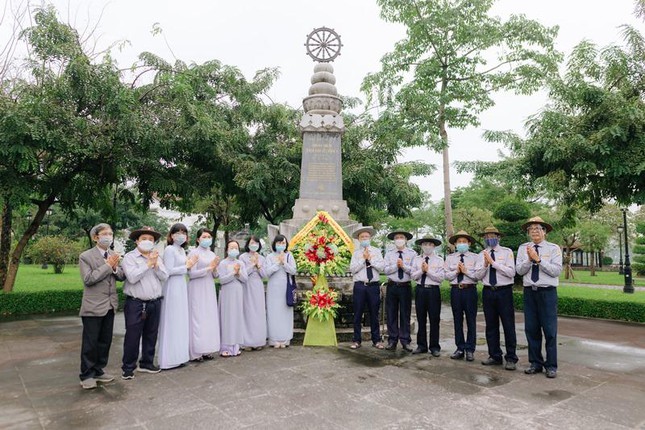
x=306 y=208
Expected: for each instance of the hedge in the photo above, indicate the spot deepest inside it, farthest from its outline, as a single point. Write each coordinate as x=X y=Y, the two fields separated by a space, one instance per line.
x=45 y=302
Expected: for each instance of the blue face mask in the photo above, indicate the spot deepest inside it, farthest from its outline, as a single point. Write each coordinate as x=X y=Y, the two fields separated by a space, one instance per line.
x=492 y=243
x=280 y=248
x=233 y=253
x=365 y=243
x=462 y=247
x=206 y=243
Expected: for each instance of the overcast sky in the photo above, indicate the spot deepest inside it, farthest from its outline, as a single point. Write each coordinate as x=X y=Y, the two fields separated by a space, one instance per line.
x=254 y=34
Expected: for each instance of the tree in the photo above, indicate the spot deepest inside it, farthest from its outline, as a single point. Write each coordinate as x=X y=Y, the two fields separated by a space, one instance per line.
x=458 y=56
x=55 y=250
x=66 y=128
x=639 y=250
x=593 y=238
x=587 y=146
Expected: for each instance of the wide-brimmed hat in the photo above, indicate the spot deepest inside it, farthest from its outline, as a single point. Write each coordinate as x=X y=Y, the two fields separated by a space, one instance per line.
x=491 y=229
x=369 y=230
x=461 y=233
x=407 y=234
x=537 y=220
x=430 y=239
x=144 y=230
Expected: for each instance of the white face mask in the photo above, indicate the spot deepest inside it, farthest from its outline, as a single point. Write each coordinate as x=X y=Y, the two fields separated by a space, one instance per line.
x=179 y=238
x=146 y=245
x=105 y=241
x=400 y=243
x=254 y=247
x=427 y=249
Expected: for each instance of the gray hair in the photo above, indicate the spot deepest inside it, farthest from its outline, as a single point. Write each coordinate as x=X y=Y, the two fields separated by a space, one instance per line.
x=99 y=228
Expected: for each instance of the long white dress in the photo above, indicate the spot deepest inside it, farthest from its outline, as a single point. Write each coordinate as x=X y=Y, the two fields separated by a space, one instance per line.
x=279 y=315
x=231 y=307
x=202 y=306
x=173 y=326
x=255 y=315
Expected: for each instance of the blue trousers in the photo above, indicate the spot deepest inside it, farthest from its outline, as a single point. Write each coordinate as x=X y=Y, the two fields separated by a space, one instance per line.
x=498 y=305
x=398 y=304
x=428 y=306
x=464 y=302
x=139 y=331
x=370 y=295
x=541 y=317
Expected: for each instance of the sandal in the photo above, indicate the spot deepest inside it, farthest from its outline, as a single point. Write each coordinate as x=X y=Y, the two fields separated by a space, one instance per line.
x=378 y=345
x=259 y=348
x=355 y=345
x=197 y=360
x=225 y=354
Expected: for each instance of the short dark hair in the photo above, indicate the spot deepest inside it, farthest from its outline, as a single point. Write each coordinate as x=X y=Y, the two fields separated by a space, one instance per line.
x=228 y=243
x=176 y=228
x=253 y=238
x=279 y=238
x=202 y=231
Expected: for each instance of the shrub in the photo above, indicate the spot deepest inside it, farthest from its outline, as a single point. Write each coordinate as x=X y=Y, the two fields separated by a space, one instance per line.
x=55 y=250
x=607 y=261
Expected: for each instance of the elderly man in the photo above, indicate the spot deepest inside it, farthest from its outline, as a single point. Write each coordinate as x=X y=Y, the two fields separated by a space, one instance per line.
x=540 y=264
x=366 y=266
x=428 y=273
x=497 y=270
x=461 y=268
x=398 y=297
x=145 y=274
x=100 y=270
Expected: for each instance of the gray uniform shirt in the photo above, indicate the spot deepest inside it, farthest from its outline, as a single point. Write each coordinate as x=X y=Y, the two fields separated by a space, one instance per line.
x=471 y=261
x=358 y=267
x=435 y=273
x=504 y=264
x=550 y=265
x=392 y=270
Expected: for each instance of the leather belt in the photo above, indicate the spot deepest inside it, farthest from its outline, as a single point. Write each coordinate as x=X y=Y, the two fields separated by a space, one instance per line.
x=428 y=286
x=143 y=301
x=462 y=286
x=536 y=288
x=368 y=284
x=399 y=284
x=497 y=287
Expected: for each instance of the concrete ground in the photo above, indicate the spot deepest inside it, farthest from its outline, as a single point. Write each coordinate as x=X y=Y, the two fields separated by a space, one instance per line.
x=600 y=385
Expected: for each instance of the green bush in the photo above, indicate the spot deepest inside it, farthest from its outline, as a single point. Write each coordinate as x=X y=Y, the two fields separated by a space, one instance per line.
x=607 y=261
x=55 y=250
x=43 y=302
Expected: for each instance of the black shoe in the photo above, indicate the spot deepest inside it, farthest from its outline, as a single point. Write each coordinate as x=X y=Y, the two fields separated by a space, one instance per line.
x=457 y=355
x=551 y=373
x=435 y=353
x=150 y=368
x=391 y=347
x=492 y=362
x=470 y=356
x=419 y=351
x=510 y=365
x=407 y=347
x=127 y=374
x=532 y=370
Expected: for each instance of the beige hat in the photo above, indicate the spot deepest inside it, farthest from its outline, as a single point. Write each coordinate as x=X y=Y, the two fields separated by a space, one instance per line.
x=407 y=234
x=144 y=230
x=461 y=233
x=537 y=220
x=369 y=230
x=426 y=239
x=491 y=229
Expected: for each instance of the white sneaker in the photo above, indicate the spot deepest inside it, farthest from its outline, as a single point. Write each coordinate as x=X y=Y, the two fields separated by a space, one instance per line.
x=88 y=384
x=104 y=378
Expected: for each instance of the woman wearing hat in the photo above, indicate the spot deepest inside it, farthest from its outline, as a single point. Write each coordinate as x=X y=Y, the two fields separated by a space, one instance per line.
x=145 y=273
x=398 y=298
x=496 y=271
x=540 y=264
x=173 y=328
x=461 y=269
x=428 y=273
x=366 y=266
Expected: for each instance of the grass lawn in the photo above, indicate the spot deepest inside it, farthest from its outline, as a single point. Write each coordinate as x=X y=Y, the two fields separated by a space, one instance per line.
x=600 y=294
x=32 y=278
x=601 y=278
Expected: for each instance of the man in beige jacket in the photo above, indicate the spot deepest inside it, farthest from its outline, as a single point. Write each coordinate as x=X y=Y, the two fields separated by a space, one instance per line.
x=100 y=270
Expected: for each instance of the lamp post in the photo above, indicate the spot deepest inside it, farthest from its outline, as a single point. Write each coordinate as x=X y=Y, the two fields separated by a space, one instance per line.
x=620 y=249
x=627 y=271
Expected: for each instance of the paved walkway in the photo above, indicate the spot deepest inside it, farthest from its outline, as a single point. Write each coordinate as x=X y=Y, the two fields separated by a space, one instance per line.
x=607 y=287
x=600 y=385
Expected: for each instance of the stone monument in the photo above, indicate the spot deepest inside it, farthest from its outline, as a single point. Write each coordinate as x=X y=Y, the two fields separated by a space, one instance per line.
x=322 y=127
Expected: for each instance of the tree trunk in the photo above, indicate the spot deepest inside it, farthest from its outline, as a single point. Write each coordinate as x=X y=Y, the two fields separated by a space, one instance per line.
x=592 y=265
x=443 y=133
x=14 y=261
x=214 y=230
x=568 y=270
x=5 y=239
